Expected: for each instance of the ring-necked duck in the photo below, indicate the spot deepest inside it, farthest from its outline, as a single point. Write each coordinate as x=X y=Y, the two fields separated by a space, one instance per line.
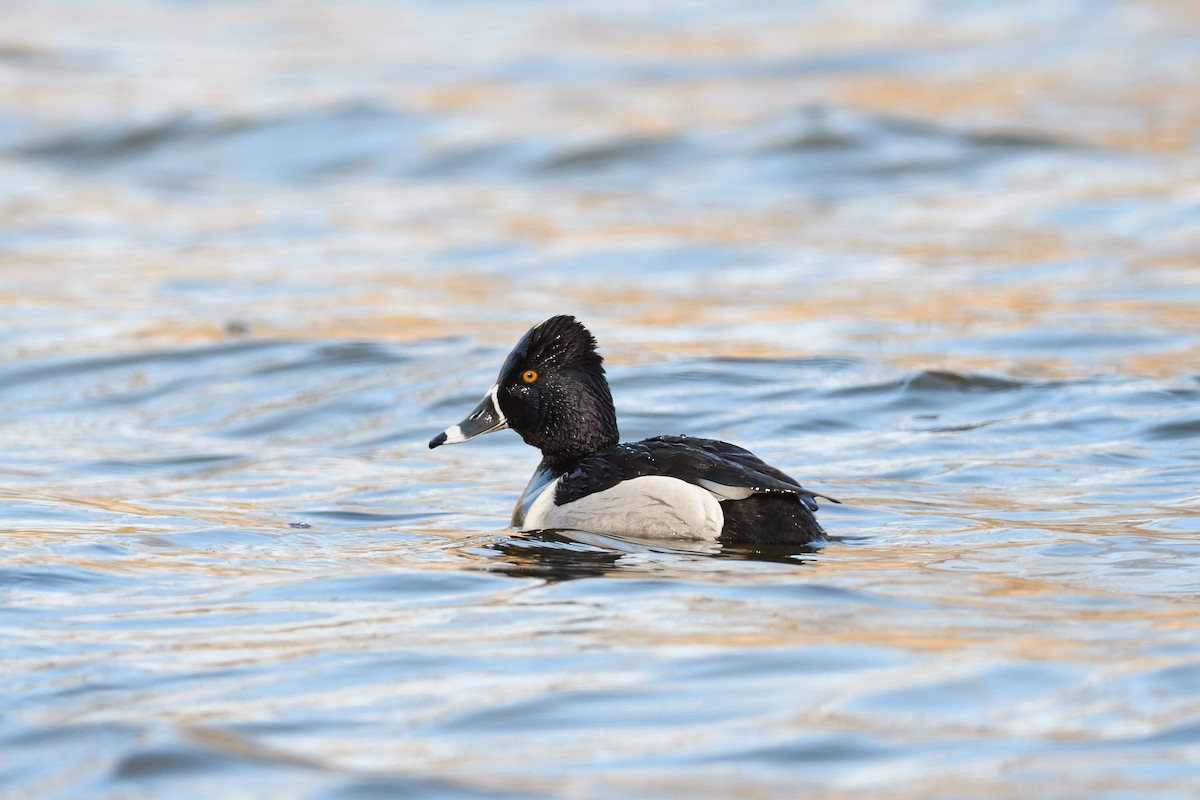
x=553 y=392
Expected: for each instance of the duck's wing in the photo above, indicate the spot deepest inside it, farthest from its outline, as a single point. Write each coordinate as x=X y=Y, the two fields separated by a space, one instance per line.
x=726 y=470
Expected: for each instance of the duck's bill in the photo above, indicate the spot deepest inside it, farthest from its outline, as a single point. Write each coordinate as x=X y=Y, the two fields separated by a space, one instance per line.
x=486 y=418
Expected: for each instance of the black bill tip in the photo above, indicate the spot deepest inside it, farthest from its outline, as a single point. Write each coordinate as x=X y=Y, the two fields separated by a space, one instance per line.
x=437 y=440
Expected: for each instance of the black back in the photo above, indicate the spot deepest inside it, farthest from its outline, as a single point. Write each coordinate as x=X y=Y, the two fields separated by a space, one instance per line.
x=684 y=457
x=779 y=512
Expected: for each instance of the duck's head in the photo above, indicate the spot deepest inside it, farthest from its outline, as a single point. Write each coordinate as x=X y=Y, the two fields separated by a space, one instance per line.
x=552 y=391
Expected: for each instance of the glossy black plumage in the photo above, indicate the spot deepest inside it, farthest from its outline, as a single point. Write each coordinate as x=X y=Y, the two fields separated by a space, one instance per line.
x=568 y=410
x=685 y=457
x=770 y=519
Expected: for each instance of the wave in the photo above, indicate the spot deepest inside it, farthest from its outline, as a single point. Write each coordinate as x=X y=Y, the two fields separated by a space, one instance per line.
x=837 y=149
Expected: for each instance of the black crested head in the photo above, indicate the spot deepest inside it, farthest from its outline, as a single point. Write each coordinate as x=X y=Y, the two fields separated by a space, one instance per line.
x=553 y=392
x=560 y=341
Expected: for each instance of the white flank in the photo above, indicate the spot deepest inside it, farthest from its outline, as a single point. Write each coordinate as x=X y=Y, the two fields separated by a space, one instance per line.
x=651 y=507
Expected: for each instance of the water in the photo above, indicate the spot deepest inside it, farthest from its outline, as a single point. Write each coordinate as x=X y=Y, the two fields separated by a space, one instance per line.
x=937 y=259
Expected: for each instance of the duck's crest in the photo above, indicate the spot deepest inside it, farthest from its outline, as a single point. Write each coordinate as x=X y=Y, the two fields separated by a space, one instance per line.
x=561 y=341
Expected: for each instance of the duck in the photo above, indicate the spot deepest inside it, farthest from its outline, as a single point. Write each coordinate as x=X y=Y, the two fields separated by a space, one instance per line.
x=552 y=390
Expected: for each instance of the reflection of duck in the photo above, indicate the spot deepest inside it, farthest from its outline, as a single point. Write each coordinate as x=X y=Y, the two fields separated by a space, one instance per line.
x=552 y=391
x=554 y=557
x=570 y=555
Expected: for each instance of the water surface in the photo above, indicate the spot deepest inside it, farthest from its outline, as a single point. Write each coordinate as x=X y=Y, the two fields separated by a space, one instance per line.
x=936 y=259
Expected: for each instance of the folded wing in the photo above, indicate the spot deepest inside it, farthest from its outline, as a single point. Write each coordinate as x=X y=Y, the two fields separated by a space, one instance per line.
x=728 y=471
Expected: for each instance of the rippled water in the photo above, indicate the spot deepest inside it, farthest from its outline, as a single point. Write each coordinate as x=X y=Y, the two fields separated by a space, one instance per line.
x=937 y=259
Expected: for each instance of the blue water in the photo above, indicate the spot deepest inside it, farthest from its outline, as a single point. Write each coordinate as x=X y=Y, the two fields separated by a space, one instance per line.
x=936 y=260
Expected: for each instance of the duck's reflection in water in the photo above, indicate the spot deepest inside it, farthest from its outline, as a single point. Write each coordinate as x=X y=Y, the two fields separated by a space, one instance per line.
x=563 y=555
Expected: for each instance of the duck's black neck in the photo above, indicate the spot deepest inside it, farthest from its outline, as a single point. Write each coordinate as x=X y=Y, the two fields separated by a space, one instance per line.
x=559 y=461
x=569 y=434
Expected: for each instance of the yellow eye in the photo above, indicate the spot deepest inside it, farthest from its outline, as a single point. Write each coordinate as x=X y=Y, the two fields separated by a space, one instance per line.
x=529 y=376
